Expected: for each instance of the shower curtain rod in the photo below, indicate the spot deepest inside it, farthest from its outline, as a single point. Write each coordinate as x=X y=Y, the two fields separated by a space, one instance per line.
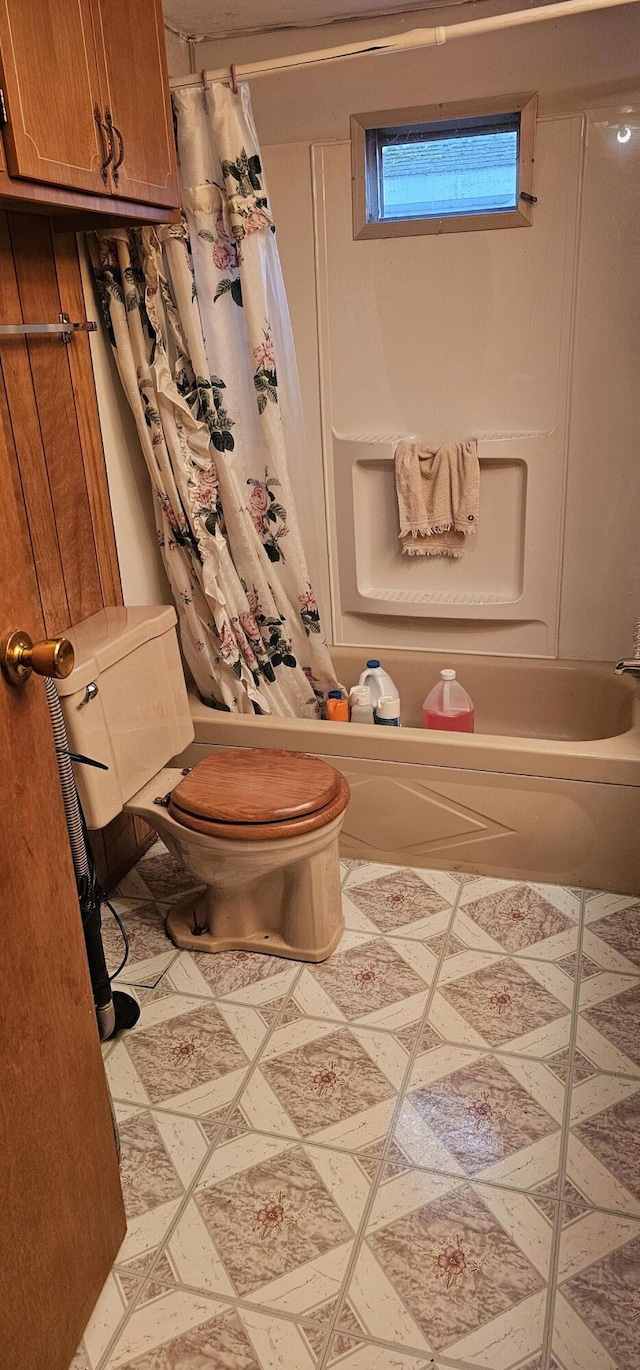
x=400 y=42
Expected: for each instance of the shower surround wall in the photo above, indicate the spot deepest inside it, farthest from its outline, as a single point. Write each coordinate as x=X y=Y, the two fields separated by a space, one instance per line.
x=524 y=338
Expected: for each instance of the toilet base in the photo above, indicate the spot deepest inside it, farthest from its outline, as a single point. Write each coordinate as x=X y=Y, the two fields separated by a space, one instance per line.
x=281 y=897
x=194 y=912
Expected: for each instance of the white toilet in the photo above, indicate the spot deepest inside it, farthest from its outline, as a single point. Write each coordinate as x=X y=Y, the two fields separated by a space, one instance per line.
x=258 y=827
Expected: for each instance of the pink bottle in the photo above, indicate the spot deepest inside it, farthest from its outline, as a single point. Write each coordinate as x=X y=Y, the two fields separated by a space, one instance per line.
x=448 y=706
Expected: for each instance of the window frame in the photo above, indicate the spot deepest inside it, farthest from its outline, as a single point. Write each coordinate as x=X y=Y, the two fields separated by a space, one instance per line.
x=361 y=172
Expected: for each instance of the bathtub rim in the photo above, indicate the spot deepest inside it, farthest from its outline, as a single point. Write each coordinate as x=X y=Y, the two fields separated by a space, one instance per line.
x=612 y=760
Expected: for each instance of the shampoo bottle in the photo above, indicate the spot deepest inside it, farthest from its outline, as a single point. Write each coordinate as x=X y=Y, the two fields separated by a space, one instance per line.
x=388 y=711
x=361 y=706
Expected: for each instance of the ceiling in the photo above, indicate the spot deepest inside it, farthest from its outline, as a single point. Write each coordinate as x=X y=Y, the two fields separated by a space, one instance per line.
x=217 y=18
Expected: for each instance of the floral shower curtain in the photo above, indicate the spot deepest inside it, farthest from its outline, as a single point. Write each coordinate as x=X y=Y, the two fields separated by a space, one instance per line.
x=198 y=321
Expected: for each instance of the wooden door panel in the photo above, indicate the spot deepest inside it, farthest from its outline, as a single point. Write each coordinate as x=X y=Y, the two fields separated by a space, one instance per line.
x=31 y=470
x=61 y=1211
x=51 y=86
x=84 y=396
x=135 y=89
x=49 y=361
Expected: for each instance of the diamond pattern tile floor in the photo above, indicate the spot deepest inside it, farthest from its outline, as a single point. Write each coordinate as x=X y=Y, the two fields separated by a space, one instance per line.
x=424 y=1152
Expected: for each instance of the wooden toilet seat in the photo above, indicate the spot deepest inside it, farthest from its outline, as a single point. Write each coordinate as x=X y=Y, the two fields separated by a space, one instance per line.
x=255 y=794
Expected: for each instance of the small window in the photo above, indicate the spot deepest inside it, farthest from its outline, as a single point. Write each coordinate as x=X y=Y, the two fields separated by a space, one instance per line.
x=446 y=169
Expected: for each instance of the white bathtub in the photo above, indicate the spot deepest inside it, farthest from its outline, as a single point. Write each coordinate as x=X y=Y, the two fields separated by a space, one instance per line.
x=547 y=788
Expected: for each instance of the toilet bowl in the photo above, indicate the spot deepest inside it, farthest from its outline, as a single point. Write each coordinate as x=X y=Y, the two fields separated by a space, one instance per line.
x=258 y=828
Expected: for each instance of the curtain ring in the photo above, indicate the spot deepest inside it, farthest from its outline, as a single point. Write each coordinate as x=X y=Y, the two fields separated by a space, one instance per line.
x=234 y=79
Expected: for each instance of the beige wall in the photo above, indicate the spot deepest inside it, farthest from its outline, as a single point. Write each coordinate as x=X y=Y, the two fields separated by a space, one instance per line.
x=177 y=54
x=544 y=357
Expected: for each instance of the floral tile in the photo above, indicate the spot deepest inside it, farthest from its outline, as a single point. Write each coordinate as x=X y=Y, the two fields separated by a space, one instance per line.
x=163 y=876
x=453 y=1268
x=483 y=1116
x=521 y=1006
x=603 y=1160
x=187 y=1055
x=241 y=974
x=609 y=1023
x=183 y=1331
x=394 y=899
x=236 y=1125
x=545 y=1198
x=150 y=950
x=522 y=919
x=541 y=1363
x=271 y=1221
x=560 y=1062
x=380 y=981
x=573 y=965
x=147 y=1175
x=136 y=1266
x=250 y=982
x=109 y=1313
x=351 y=1353
x=145 y=994
x=246 y=1271
x=596 y=1324
x=612 y=932
x=160 y=1156
x=428 y=1038
x=159 y=1280
x=329 y=1083
x=80 y=1360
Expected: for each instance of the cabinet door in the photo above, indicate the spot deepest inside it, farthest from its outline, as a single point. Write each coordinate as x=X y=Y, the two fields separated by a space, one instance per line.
x=135 y=94
x=50 y=82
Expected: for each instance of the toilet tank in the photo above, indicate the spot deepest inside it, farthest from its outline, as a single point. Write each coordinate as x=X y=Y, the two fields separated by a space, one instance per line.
x=138 y=717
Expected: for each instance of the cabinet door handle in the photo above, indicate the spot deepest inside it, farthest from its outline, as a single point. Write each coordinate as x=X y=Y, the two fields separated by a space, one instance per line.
x=105 y=128
x=120 y=157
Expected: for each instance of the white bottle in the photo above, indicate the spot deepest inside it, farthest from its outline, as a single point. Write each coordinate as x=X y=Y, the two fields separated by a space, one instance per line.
x=388 y=711
x=361 y=705
x=378 y=681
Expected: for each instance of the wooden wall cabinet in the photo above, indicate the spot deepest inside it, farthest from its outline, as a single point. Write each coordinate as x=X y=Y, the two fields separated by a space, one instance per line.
x=87 y=105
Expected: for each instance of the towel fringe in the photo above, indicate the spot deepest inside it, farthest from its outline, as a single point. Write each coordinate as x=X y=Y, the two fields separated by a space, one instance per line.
x=432 y=552
x=426 y=532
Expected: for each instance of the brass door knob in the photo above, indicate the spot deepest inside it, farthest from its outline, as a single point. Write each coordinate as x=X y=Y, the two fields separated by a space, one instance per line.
x=19 y=656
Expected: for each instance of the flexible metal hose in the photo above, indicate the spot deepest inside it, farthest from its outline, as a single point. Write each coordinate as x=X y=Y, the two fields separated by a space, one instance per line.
x=67 y=783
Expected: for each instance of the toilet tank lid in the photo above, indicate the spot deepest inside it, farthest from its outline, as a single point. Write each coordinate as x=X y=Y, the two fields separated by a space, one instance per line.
x=110 y=635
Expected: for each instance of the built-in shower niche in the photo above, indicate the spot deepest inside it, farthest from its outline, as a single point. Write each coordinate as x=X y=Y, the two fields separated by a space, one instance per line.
x=490 y=571
x=511 y=565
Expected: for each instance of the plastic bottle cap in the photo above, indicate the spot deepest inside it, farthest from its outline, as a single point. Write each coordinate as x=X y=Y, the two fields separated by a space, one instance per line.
x=334 y=694
x=360 y=694
x=388 y=707
x=373 y=664
x=448 y=674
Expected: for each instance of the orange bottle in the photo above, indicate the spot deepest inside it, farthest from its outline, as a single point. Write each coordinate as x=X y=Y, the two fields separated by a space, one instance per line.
x=337 y=707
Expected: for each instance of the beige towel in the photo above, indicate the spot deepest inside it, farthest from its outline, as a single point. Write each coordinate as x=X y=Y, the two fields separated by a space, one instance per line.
x=438 y=497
